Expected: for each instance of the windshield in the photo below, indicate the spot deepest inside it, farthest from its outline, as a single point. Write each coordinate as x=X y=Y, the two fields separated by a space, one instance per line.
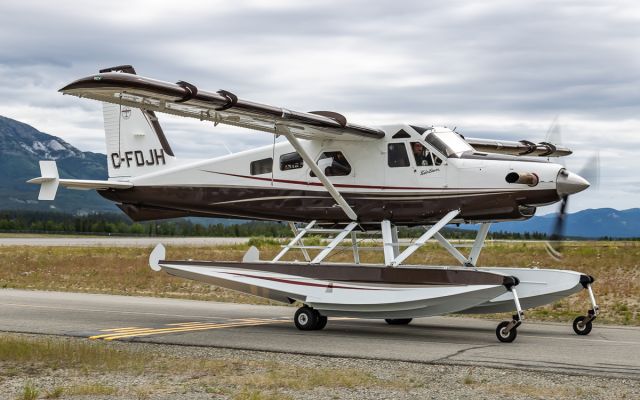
x=448 y=143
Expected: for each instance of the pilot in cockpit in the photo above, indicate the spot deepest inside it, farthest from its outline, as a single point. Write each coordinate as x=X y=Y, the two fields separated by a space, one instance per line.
x=421 y=155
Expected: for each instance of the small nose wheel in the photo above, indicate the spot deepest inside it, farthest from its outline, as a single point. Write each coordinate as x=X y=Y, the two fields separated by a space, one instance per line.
x=582 y=325
x=507 y=331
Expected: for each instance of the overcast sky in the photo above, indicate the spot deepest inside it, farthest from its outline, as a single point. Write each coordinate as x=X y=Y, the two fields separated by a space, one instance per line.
x=499 y=69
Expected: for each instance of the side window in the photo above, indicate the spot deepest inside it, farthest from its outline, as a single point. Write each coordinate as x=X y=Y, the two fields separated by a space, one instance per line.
x=264 y=166
x=333 y=163
x=397 y=155
x=422 y=156
x=290 y=161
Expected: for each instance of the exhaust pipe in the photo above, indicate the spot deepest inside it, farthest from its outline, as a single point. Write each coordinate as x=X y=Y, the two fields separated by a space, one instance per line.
x=524 y=178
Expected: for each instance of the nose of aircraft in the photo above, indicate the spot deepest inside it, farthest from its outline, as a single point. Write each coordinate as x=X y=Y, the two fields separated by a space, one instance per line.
x=569 y=183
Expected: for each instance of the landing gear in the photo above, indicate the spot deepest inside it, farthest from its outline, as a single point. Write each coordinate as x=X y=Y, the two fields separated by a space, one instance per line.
x=308 y=319
x=398 y=321
x=507 y=331
x=582 y=325
x=322 y=322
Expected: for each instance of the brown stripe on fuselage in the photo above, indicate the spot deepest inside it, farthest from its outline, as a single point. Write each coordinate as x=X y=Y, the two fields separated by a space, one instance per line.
x=349 y=273
x=151 y=202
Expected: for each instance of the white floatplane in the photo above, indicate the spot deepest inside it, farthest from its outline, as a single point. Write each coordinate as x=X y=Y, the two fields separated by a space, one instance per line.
x=332 y=177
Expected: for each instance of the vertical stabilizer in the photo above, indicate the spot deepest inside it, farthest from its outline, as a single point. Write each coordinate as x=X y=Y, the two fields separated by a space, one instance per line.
x=48 y=180
x=136 y=144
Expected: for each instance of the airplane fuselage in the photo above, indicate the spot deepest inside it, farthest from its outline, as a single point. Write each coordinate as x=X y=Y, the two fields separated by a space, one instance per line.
x=380 y=179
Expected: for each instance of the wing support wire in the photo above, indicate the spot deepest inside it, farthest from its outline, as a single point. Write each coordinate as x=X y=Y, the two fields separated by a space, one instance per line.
x=297 y=243
x=336 y=241
x=282 y=130
x=299 y=234
x=474 y=254
x=422 y=239
x=390 y=242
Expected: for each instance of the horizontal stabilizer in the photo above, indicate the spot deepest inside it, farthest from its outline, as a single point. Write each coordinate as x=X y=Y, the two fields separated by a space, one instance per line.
x=50 y=180
x=80 y=184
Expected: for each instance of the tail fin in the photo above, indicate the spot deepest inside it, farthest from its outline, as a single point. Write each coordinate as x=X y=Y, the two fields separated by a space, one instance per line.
x=136 y=144
x=48 y=180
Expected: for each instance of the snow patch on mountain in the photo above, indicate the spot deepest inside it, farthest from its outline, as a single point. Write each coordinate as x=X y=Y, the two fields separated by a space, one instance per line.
x=56 y=146
x=51 y=150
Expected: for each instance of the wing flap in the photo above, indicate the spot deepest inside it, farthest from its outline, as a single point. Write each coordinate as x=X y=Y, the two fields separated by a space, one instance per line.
x=221 y=107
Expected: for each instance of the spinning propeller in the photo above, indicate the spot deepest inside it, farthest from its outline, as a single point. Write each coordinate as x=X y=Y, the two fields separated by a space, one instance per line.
x=567 y=184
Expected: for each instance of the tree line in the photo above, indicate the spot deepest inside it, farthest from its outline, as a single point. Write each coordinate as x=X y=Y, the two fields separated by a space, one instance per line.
x=118 y=224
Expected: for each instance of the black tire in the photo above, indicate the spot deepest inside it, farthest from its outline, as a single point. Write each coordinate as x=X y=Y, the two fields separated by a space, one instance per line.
x=306 y=318
x=580 y=328
x=322 y=322
x=398 y=321
x=506 y=337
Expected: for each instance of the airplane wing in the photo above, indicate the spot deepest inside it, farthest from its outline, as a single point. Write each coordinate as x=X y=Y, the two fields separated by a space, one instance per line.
x=120 y=85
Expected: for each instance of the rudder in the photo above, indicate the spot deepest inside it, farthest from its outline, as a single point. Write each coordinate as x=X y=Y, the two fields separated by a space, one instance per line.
x=136 y=144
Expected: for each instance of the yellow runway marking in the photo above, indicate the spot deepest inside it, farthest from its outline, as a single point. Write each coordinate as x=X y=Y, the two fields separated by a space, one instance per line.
x=119 y=329
x=200 y=323
x=121 y=333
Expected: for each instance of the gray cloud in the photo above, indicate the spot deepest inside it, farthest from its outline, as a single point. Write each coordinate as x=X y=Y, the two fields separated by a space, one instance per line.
x=494 y=69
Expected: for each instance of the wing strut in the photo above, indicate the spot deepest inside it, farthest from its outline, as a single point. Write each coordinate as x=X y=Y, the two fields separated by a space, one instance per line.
x=316 y=170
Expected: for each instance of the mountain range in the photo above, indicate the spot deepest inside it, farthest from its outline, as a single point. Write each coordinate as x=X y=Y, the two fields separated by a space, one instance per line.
x=591 y=223
x=22 y=146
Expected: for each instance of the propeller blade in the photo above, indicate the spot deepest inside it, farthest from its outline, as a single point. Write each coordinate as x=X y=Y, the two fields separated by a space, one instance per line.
x=554 y=245
x=591 y=170
x=554 y=132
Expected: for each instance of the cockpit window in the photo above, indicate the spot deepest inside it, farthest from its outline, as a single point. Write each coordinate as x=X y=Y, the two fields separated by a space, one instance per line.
x=423 y=156
x=397 y=155
x=448 y=143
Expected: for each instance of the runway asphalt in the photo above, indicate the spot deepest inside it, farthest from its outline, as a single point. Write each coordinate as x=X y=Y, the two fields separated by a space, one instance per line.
x=610 y=351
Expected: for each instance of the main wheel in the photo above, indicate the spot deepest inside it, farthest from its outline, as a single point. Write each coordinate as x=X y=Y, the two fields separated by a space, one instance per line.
x=322 y=322
x=580 y=328
x=306 y=318
x=503 y=335
x=398 y=321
